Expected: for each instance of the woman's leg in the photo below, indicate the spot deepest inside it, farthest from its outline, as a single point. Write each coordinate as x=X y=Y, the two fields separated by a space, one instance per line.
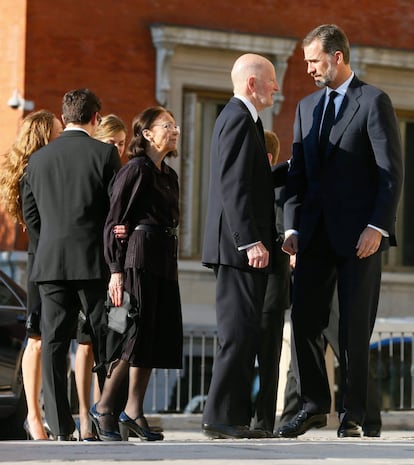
x=106 y=405
x=138 y=383
x=133 y=419
x=32 y=381
x=84 y=361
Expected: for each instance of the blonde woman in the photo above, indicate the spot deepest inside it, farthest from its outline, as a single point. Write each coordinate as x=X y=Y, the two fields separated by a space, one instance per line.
x=37 y=130
x=112 y=130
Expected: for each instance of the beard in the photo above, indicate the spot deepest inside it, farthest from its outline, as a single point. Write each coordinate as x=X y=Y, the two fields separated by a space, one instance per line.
x=327 y=79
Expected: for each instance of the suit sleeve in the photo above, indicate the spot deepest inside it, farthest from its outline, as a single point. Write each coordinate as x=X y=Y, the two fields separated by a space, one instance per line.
x=296 y=178
x=385 y=140
x=29 y=209
x=128 y=186
x=238 y=151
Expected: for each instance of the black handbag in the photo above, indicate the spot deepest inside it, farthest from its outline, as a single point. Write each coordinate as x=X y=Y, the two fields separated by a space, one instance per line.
x=118 y=316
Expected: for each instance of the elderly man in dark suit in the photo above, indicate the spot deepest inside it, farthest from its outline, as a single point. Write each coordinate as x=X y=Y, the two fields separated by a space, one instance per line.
x=238 y=241
x=66 y=200
x=341 y=199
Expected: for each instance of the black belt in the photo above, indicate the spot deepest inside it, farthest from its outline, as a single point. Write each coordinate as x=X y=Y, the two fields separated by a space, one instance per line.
x=153 y=228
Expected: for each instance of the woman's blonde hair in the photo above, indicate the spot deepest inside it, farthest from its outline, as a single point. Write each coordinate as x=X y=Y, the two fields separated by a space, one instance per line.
x=34 y=134
x=109 y=126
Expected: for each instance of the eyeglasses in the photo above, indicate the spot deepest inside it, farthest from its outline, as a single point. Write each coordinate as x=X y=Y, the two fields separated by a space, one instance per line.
x=169 y=126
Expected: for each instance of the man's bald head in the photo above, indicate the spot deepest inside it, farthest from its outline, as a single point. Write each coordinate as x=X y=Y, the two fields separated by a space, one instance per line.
x=254 y=77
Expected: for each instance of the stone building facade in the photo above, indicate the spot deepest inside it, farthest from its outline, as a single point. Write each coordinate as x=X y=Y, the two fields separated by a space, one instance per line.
x=136 y=53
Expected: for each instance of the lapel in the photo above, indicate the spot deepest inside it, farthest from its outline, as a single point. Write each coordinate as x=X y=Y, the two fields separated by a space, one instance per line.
x=349 y=107
x=314 y=122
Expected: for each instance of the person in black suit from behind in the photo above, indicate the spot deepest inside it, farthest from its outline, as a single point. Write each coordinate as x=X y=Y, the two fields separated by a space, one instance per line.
x=277 y=301
x=66 y=200
x=238 y=240
x=342 y=192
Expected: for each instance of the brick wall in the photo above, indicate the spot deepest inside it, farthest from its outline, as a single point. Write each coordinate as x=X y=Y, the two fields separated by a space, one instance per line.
x=107 y=46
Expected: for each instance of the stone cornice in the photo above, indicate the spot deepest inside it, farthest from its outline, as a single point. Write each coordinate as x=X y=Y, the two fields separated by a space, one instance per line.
x=167 y=37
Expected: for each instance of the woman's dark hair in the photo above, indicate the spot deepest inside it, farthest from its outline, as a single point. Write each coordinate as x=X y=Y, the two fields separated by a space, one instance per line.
x=79 y=106
x=138 y=144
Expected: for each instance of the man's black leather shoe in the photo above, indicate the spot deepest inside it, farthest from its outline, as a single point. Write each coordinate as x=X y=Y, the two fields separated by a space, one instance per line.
x=231 y=432
x=372 y=432
x=349 y=429
x=266 y=433
x=302 y=422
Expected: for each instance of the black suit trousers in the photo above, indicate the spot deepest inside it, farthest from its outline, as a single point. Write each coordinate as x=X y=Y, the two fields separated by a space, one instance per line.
x=271 y=339
x=61 y=302
x=318 y=270
x=239 y=302
x=292 y=404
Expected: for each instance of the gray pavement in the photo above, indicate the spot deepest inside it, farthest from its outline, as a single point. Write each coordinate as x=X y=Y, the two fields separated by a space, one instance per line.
x=190 y=447
x=184 y=444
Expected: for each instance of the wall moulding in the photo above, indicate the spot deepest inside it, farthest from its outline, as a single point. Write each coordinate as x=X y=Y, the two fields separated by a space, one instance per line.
x=167 y=38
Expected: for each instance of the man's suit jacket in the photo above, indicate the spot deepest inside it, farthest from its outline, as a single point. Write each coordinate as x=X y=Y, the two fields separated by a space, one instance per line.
x=66 y=192
x=241 y=197
x=358 y=182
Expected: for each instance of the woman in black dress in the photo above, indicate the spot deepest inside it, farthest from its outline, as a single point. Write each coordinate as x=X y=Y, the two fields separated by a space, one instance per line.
x=145 y=197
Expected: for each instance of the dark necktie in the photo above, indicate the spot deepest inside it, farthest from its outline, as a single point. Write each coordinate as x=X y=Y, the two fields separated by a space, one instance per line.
x=327 y=123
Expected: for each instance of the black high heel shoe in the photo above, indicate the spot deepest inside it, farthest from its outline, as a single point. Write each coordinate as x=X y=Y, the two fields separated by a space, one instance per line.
x=127 y=424
x=103 y=435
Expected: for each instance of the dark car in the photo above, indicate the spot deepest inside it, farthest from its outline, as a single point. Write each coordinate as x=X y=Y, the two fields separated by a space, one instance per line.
x=12 y=336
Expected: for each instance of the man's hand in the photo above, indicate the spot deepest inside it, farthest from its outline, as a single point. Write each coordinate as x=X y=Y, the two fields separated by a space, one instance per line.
x=368 y=243
x=290 y=244
x=258 y=256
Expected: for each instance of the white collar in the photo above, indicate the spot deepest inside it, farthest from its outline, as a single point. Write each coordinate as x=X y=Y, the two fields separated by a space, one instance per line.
x=249 y=106
x=342 y=88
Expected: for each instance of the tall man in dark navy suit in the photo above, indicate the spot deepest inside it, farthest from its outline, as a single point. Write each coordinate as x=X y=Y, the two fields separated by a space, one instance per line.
x=341 y=200
x=238 y=241
x=66 y=200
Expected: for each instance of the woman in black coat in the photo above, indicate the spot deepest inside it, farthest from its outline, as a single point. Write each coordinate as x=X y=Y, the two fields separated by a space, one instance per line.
x=145 y=197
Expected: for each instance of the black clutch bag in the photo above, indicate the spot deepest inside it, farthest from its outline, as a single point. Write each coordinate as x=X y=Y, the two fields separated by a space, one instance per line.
x=118 y=316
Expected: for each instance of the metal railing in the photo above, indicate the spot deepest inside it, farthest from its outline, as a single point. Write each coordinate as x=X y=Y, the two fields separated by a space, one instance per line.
x=185 y=390
x=392 y=362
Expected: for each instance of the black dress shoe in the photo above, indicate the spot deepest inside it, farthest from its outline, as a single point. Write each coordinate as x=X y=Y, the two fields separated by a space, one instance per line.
x=372 y=432
x=302 y=422
x=231 y=432
x=349 y=429
x=141 y=429
x=104 y=434
x=266 y=433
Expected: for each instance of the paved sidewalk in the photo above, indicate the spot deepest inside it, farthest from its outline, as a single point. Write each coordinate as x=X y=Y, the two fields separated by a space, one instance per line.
x=181 y=447
x=184 y=444
x=185 y=448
